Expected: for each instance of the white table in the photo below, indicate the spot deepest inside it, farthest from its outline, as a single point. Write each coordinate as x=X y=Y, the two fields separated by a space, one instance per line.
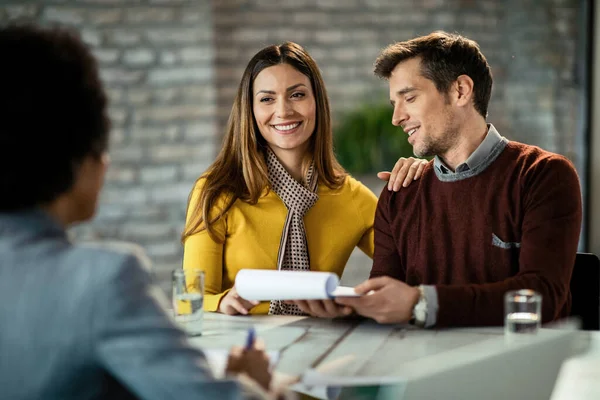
x=579 y=377
x=423 y=362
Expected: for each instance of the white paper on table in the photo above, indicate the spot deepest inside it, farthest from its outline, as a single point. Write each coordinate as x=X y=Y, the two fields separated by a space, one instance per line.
x=578 y=379
x=329 y=387
x=263 y=285
x=313 y=377
x=217 y=360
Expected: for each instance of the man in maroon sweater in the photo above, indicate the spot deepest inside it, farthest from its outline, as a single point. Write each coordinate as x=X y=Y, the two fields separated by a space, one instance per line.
x=488 y=215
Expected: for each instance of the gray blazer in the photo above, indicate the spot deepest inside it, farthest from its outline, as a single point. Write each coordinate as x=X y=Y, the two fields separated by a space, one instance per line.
x=84 y=322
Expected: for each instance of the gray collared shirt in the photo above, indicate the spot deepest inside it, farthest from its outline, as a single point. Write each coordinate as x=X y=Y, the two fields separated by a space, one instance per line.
x=481 y=155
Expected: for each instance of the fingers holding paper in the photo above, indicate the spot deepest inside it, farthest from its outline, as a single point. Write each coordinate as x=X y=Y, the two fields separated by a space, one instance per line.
x=386 y=300
x=233 y=304
x=322 y=308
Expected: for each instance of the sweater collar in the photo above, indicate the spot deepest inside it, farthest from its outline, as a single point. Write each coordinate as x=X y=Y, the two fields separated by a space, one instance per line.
x=481 y=153
x=483 y=158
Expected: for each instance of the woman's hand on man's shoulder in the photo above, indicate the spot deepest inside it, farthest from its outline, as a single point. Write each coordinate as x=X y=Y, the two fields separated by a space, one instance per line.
x=406 y=170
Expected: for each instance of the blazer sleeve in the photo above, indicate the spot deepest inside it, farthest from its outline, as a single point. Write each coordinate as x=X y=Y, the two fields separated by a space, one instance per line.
x=137 y=342
x=200 y=251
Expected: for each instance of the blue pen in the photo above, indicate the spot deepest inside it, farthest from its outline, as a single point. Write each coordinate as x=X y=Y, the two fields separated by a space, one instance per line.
x=250 y=339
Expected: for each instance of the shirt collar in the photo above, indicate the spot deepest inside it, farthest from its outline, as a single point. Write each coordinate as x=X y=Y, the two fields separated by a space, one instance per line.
x=492 y=138
x=30 y=222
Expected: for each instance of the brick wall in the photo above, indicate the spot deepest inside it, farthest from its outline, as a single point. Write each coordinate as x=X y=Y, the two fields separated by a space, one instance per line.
x=172 y=68
x=530 y=44
x=156 y=60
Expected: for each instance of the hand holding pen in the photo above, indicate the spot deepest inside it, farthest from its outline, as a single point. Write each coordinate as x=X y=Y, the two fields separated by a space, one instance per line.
x=251 y=338
x=251 y=360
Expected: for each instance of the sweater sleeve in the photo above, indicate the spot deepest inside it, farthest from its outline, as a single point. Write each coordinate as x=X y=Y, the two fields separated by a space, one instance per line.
x=202 y=252
x=366 y=203
x=551 y=198
x=386 y=258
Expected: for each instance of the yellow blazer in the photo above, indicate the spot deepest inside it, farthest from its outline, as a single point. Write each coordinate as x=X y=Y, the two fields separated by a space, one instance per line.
x=339 y=221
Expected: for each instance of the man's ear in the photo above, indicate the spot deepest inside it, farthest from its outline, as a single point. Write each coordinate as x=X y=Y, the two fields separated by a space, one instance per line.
x=463 y=90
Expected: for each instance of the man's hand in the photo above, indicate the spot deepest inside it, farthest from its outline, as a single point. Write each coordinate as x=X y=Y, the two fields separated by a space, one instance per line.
x=233 y=304
x=405 y=171
x=253 y=362
x=322 y=308
x=391 y=301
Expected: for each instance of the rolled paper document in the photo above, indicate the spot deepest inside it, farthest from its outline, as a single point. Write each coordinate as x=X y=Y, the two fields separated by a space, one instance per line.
x=264 y=285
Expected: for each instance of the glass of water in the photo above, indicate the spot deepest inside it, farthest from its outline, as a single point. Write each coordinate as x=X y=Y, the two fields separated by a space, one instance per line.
x=188 y=299
x=522 y=312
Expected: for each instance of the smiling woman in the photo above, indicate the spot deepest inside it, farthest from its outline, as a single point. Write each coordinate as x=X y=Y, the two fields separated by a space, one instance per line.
x=285 y=112
x=276 y=198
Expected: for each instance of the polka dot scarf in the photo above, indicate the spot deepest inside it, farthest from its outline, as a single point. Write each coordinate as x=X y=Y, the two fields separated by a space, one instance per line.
x=293 y=250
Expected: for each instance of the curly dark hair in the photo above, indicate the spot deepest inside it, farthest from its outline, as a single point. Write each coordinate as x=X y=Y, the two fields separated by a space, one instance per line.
x=444 y=57
x=53 y=112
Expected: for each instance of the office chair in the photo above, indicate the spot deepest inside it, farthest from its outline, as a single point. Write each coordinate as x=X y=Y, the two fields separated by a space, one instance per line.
x=585 y=290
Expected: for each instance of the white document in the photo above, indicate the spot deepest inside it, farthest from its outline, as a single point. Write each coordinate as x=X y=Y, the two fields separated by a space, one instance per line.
x=264 y=285
x=330 y=387
x=578 y=379
x=313 y=377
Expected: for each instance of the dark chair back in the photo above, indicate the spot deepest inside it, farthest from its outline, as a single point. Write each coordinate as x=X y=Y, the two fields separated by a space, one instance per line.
x=585 y=290
x=113 y=389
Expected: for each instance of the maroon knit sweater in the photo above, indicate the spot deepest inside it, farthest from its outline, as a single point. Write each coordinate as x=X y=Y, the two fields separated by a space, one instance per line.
x=512 y=224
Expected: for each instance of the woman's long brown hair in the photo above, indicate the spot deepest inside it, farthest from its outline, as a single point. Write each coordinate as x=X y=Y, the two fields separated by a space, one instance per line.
x=240 y=170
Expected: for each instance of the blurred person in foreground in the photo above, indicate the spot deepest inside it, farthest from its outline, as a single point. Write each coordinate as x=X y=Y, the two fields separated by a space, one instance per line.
x=488 y=215
x=276 y=197
x=77 y=321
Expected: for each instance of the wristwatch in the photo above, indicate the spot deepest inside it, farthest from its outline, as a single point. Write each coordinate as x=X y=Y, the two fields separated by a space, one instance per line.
x=419 y=313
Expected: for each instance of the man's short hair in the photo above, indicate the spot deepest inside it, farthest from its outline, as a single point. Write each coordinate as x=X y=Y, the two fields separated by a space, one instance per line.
x=444 y=57
x=52 y=112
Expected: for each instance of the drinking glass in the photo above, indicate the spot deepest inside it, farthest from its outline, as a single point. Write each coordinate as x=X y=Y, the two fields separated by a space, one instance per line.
x=188 y=300
x=522 y=312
